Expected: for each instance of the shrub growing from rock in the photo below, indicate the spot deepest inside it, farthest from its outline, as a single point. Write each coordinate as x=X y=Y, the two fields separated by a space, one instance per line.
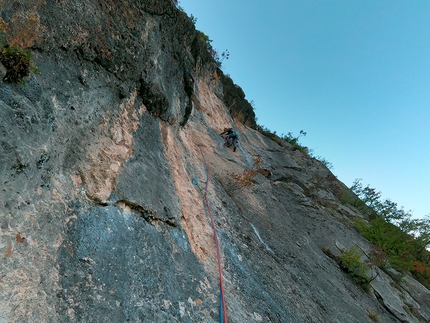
x=350 y=262
x=17 y=63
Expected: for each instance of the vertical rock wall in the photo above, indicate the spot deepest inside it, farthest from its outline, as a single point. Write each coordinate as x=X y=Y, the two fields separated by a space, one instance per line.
x=99 y=218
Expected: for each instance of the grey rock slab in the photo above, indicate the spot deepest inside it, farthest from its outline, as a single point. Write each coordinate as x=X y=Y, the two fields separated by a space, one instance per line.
x=391 y=298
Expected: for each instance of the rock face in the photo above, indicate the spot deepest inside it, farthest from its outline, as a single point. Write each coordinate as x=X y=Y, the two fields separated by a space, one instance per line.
x=100 y=219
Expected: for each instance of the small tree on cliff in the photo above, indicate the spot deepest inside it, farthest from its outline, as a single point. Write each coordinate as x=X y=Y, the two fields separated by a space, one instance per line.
x=403 y=239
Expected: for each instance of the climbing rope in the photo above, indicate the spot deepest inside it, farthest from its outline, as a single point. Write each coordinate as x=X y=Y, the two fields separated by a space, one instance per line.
x=222 y=306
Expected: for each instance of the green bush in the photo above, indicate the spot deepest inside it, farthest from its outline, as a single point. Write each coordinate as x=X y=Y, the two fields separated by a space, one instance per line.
x=17 y=63
x=268 y=133
x=294 y=141
x=350 y=262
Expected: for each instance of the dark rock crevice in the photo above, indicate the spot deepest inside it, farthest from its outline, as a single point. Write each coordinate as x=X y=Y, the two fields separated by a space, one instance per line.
x=144 y=212
x=189 y=90
x=149 y=215
x=154 y=99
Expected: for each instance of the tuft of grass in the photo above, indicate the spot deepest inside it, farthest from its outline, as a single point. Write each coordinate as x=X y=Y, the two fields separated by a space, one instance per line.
x=294 y=141
x=268 y=133
x=374 y=316
x=324 y=161
x=289 y=137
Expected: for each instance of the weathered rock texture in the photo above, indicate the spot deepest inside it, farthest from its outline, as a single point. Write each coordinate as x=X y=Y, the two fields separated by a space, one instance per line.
x=100 y=220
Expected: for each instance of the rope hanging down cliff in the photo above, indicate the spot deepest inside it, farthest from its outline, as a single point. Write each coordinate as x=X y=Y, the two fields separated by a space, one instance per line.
x=223 y=309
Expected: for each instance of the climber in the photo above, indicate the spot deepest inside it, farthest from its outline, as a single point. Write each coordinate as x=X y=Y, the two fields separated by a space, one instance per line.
x=230 y=138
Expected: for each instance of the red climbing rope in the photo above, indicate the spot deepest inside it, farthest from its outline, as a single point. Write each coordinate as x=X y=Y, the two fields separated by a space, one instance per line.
x=224 y=309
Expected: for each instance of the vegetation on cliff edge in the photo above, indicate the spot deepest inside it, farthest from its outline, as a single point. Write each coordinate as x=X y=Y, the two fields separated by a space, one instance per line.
x=403 y=239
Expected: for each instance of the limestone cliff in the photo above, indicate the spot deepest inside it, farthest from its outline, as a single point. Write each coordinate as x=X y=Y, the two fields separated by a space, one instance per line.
x=100 y=219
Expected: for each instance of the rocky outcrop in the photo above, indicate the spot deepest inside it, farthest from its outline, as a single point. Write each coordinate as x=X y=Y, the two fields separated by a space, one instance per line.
x=234 y=99
x=100 y=219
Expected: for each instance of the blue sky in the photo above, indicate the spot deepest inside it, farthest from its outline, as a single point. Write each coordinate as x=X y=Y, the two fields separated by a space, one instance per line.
x=355 y=75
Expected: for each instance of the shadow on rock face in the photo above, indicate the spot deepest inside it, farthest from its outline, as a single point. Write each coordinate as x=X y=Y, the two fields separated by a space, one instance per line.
x=131 y=270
